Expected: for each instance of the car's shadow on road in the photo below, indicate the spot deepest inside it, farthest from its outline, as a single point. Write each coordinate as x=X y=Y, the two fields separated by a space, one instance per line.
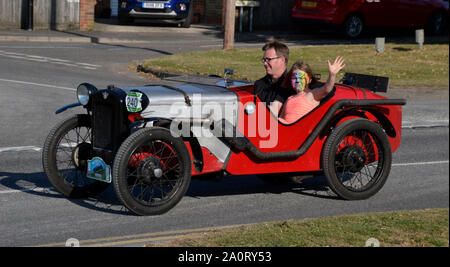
x=251 y=184
x=37 y=184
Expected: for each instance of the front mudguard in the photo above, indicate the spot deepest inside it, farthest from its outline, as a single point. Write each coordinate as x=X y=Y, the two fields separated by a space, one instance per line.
x=66 y=107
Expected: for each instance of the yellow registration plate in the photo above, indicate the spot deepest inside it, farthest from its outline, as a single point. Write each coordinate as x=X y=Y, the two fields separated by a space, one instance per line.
x=309 y=4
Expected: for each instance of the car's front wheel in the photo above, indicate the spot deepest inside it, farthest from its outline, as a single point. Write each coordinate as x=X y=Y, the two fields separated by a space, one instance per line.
x=356 y=159
x=64 y=158
x=151 y=171
x=124 y=18
x=188 y=20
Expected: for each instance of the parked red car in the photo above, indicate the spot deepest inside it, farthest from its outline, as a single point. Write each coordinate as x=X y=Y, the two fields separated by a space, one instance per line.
x=353 y=16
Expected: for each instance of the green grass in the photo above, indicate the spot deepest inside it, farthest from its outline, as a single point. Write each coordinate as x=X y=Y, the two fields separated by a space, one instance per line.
x=420 y=228
x=404 y=64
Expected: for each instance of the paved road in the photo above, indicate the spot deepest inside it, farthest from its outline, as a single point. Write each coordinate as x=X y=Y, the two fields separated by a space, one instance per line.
x=37 y=78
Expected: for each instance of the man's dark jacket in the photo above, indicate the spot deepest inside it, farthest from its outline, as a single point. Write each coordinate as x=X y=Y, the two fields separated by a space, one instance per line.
x=268 y=92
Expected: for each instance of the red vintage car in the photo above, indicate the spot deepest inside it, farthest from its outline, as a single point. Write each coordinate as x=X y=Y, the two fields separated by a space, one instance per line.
x=354 y=15
x=149 y=141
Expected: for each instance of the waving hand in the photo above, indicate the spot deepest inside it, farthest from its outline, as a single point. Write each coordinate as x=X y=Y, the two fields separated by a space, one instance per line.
x=336 y=66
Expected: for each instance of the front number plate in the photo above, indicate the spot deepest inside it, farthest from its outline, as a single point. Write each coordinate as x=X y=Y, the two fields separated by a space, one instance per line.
x=133 y=102
x=153 y=5
x=97 y=169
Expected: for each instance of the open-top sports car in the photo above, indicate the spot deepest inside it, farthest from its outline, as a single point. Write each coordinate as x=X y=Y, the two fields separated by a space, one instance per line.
x=149 y=141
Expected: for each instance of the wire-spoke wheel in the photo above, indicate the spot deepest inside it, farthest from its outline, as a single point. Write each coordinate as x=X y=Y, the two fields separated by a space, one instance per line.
x=64 y=158
x=152 y=171
x=357 y=159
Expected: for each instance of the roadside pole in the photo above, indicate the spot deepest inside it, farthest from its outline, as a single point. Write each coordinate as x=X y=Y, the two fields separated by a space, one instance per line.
x=230 y=9
x=30 y=15
x=420 y=38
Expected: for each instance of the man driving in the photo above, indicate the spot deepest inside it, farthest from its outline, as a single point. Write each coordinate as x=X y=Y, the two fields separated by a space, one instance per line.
x=268 y=88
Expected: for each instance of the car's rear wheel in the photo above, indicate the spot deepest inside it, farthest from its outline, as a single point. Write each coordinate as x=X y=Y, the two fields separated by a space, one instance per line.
x=356 y=159
x=151 y=171
x=64 y=158
x=353 y=26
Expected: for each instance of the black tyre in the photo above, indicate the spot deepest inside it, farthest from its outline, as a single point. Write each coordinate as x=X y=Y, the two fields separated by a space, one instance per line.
x=356 y=159
x=437 y=23
x=353 y=26
x=124 y=18
x=151 y=171
x=188 y=20
x=64 y=158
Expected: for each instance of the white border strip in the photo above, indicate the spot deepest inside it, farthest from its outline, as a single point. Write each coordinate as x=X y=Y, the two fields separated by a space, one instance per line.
x=32 y=148
x=42 y=189
x=36 y=189
x=421 y=163
x=425 y=126
x=38 y=84
x=19 y=148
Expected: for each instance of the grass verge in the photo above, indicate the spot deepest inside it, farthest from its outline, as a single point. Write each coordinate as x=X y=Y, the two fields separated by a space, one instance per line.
x=404 y=64
x=418 y=228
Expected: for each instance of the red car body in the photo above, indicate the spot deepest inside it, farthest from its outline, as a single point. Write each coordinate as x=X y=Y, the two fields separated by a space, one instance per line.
x=385 y=13
x=291 y=137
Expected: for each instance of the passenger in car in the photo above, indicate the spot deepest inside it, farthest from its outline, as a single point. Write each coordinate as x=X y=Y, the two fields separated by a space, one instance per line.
x=301 y=79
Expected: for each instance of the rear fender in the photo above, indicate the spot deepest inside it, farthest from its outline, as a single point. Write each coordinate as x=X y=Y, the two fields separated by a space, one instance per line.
x=374 y=114
x=384 y=122
x=340 y=118
x=366 y=113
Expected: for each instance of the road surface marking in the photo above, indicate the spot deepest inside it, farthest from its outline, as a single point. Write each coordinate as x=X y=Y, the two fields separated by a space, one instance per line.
x=41 y=189
x=35 y=189
x=50 y=60
x=38 y=84
x=89 y=65
x=421 y=163
x=425 y=126
x=71 y=145
x=140 y=238
x=33 y=148
x=429 y=121
x=19 y=148
x=40 y=47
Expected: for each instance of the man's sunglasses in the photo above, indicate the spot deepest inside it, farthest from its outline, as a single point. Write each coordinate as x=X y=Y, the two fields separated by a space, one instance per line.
x=268 y=59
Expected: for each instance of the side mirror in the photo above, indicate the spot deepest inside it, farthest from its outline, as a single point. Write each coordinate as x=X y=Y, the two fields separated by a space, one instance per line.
x=225 y=73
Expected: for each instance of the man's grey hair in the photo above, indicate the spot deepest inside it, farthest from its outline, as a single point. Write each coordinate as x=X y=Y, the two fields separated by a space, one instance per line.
x=280 y=48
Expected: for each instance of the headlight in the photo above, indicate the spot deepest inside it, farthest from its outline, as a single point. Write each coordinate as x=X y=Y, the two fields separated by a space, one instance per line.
x=84 y=91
